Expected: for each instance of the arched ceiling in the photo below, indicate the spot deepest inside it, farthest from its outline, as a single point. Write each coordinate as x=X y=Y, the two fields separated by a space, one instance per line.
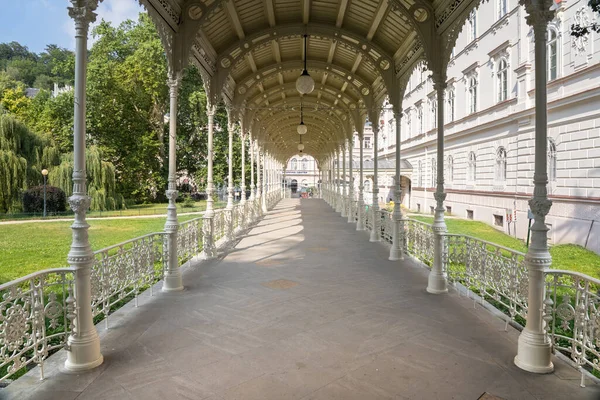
x=359 y=52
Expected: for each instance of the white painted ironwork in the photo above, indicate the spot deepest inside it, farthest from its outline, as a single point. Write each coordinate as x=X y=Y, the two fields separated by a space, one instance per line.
x=36 y=317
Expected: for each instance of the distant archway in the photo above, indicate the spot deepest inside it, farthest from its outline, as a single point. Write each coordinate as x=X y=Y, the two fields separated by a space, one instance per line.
x=294 y=186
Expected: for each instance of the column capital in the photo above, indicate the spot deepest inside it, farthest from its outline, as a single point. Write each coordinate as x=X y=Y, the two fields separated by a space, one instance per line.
x=83 y=13
x=211 y=110
x=173 y=81
x=538 y=14
x=439 y=81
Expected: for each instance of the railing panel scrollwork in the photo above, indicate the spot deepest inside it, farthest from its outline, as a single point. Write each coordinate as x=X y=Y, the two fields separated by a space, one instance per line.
x=419 y=241
x=36 y=315
x=189 y=240
x=122 y=271
x=572 y=315
x=387 y=231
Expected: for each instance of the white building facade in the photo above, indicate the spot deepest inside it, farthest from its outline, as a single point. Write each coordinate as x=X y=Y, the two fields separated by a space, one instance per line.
x=490 y=122
x=302 y=172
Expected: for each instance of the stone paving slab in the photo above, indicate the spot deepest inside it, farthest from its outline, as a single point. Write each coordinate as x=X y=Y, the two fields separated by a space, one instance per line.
x=304 y=307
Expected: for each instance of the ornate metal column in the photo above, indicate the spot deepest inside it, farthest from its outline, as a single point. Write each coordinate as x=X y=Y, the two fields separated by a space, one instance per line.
x=83 y=343
x=265 y=188
x=351 y=183
x=252 y=184
x=438 y=280
x=243 y=188
x=259 y=193
x=398 y=235
x=361 y=201
x=375 y=233
x=344 y=192
x=208 y=244
x=338 y=186
x=230 y=129
x=172 y=274
x=534 y=350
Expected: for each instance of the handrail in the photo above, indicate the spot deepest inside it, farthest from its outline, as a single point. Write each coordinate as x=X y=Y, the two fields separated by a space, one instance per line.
x=36 y=274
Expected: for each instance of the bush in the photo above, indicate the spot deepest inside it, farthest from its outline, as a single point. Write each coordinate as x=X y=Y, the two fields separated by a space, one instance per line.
x=33 y=200
x=188 y=202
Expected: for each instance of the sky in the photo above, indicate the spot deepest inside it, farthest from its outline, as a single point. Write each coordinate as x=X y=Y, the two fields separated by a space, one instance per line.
x=37 y=23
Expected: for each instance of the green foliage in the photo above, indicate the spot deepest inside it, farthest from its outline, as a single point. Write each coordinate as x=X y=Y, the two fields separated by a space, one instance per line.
x=564 y=256
x=188 y=202
x=33 y=199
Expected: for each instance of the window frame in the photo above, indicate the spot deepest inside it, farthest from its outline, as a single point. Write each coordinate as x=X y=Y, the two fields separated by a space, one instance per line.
x=551 y=160
x=502 y=67
x=471 y=168
x=501 y=165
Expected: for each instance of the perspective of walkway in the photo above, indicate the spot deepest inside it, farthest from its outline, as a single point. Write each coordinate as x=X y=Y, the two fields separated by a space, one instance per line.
x=304 y=307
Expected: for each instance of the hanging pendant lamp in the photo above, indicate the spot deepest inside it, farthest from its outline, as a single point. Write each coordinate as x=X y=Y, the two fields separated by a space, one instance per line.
x=301 y=128
x=300 y=145
x=305 y=83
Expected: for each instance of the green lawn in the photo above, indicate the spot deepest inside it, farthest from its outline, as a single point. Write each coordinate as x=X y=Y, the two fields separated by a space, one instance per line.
x=136 y=210
x=30 y=247
x=564 y=256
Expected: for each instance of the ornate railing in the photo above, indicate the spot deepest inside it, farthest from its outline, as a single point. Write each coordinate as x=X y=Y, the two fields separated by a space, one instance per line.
x=498 y=274
x=219 y=225
x=368 y=219
x=189 y=240
x=122 y=271
x=386 y=225
x=36 y=316
x=572 y=315
x=419 y=240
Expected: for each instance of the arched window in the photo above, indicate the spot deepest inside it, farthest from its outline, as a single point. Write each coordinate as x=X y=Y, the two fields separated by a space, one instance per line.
x=420 y=120
x=472 y=26
x=433 y=112
x=551 y=161
x=420 y=175
x=552 y=51
x=501 y=8
x=408 y=124
x=501 y=165
x=450 y=169
x=472 y=168
x=502 y=79
x=367 y=185
x=304 y=164
x=294 y=164
x=472 y=94
x=450 y=103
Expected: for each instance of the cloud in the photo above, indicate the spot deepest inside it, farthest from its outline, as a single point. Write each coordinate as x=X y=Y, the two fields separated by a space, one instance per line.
x=113 y=11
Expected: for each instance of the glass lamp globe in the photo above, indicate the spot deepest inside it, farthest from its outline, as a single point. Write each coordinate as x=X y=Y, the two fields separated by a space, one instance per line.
x=302 y=129
x=305 y=83
x=300 y=146
x=44 y=172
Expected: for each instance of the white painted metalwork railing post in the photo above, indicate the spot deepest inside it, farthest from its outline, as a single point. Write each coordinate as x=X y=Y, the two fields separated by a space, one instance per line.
x=375 y=232
x=361 y=201
x=438 y=279
x=534 y=349
x=83 y=343
x=351 y=183
x=230 y=130
x=397 y=236
x=208 y=243
x=265 y=188
x=338 y=187
x=259 y=193
x=244 y=216
x=210 y=112
x=344 y=191
x=172 y=274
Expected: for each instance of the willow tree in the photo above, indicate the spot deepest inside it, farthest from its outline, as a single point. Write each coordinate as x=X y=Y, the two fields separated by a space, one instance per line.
x=23 y=155
x=100 y=175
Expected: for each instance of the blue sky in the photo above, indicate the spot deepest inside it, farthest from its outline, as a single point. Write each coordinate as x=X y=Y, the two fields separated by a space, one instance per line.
x=36 y=23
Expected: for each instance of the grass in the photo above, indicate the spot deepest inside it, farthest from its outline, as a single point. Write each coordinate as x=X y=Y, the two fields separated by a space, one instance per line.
x=136 y=210
x=569 y=257
x=35 y=246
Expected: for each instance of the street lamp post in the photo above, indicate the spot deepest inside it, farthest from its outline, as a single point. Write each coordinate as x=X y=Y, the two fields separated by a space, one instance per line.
x=45 y=174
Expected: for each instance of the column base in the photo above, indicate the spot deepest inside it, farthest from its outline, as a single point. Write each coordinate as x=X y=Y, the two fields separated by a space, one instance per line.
x=437 y=284
x=173 y=283
x=396 y=254
x=84 y=353
x=534 y=353
x=374 y=237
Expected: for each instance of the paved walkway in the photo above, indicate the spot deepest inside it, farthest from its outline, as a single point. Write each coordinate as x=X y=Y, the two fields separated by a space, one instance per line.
x=305 y=307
